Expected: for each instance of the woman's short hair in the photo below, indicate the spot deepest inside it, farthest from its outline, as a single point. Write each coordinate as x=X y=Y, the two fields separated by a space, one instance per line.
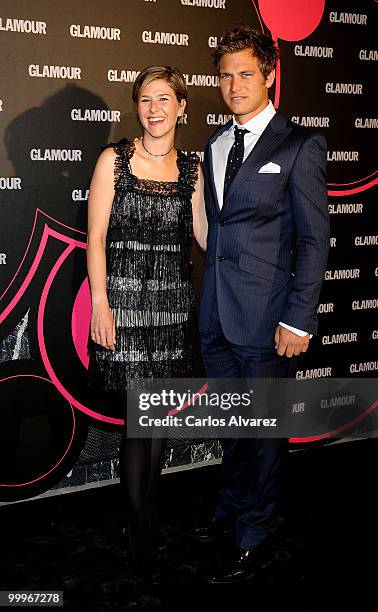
x=172 y=76
x=245 y=37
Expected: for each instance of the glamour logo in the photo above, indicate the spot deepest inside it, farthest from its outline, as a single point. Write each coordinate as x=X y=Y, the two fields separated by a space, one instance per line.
x=340 y=338
x=365 y=304
x=366 y=240
x=341 y=400
x=95 y=114
x=317 y=122
x=124 y=76
x=218 y=119
x=1 y=106
x=165 y=38
x=26 y=26
x=100 y=32
x=369 y=123
x=343 y=274
x=309 y=51
x=3 y=259
x=71 y=155
x=80 y=195
x=365 y=366
x=217 y=4
x=344 y=88
x=55 y=72
x=10 y=182
x=325 y=308
x=314 y=373
x=352 y=208
x=202 y=80
x=342 y=156
x=212 y=42
x=354 y=18
x=368 y=55
x=332 y=242
x=374 y=334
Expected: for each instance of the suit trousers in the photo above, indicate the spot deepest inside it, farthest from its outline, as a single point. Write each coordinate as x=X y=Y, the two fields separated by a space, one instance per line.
x=251 y=474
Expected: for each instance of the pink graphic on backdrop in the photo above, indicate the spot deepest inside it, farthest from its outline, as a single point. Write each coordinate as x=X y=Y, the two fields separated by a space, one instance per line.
x=290 y=20
x=41 y=338
x=344 y=189
x=80 y=319
x=294 y=20
x=69 y=442
x=80 y=322
x=338 y=430
x=39 y=214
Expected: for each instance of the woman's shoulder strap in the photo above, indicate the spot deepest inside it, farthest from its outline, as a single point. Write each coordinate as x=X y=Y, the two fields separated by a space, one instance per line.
x=189 y=167
x=124 y=150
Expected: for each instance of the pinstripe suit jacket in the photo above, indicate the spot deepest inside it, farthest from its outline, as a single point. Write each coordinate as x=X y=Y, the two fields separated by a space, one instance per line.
x=268 y=245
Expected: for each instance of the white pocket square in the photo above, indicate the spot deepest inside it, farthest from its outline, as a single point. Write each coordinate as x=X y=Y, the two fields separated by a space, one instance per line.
x=270 y=168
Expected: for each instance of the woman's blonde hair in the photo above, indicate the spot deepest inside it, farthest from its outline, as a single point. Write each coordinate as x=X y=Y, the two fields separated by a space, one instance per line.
x=172 y=76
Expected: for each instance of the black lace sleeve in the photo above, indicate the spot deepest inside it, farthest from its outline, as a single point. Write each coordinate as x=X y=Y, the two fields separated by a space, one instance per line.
x=189 y=166
x=123 y=150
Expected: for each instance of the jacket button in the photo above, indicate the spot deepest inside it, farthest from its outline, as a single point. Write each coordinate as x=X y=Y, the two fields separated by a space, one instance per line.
x=220 y=258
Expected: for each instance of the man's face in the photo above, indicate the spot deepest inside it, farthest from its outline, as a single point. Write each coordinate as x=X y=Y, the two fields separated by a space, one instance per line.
x=243 y=86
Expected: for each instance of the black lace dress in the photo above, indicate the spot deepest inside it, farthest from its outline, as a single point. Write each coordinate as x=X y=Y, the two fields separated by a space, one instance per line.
x=148 y=278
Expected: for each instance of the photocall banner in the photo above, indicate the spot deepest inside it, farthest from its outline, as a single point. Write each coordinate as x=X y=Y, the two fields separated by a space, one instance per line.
x=67 y=72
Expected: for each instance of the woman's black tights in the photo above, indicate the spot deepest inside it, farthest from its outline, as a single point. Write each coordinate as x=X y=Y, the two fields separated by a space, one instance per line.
x=140 y=465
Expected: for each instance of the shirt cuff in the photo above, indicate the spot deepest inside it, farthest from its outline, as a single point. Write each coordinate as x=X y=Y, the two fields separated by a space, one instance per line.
x=299 y=332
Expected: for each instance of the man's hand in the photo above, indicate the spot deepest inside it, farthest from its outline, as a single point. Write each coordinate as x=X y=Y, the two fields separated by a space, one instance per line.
x=288 y=343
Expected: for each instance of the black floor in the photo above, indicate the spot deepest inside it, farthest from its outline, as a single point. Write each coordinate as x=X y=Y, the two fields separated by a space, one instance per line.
x=325 y=556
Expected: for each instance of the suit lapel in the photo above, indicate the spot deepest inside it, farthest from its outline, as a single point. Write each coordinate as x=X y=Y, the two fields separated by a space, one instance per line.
x=209 y=164
x=275 y=132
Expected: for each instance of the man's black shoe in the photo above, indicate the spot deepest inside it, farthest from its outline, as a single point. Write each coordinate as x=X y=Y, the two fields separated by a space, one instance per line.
x=240 y=568
x=210 y=530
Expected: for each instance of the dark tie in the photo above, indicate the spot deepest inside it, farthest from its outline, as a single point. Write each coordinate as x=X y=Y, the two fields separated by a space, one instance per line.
x=235 y=158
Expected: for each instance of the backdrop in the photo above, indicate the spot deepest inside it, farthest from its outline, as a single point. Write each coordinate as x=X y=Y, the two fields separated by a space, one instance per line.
x=67 y=71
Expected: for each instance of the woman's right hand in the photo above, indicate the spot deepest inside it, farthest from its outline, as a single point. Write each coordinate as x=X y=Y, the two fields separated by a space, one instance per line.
x=103 y=326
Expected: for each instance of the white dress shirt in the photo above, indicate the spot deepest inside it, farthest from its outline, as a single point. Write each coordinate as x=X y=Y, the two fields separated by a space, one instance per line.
x=221 y=148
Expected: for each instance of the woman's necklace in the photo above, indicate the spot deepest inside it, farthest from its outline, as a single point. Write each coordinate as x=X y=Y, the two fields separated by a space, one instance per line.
x=156 y=154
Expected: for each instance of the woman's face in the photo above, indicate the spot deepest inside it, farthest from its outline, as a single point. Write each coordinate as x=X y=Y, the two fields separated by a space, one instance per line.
x=158 y=108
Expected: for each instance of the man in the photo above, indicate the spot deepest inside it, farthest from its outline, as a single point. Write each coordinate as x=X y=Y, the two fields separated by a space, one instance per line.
x=266 y=202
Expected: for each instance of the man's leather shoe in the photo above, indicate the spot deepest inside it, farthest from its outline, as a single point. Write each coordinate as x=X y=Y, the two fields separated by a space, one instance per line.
x=209 y=531
x=242 y=567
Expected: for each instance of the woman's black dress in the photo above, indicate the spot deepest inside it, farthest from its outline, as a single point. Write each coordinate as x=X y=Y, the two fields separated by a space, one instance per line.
x=148 y=278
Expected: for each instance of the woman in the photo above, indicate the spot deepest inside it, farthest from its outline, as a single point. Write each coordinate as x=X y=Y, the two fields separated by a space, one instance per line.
x=145 y=204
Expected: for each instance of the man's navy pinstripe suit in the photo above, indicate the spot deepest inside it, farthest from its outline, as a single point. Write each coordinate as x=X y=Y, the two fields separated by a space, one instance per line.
x=266 y=256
